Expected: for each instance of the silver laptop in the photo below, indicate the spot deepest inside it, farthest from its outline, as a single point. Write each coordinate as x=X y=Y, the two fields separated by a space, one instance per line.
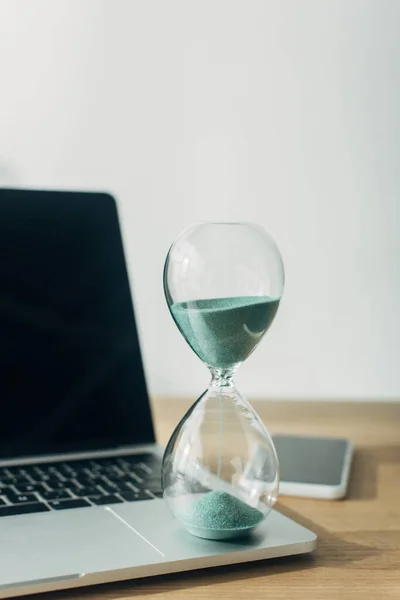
x=80 y=491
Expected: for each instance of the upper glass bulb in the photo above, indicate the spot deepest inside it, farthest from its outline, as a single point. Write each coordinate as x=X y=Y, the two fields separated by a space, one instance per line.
x=223 y=283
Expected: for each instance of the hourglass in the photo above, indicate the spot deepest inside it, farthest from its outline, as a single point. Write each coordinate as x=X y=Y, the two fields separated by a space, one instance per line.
x=223 y=283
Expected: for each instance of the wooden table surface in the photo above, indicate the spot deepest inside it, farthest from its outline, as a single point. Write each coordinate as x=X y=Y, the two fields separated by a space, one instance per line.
x=358 y=551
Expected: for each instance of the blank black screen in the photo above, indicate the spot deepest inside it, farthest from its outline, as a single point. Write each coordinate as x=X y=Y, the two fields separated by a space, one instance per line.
x=71 y=374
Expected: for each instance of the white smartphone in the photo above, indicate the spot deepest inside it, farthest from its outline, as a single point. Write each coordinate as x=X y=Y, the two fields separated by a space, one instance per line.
x=313 y=467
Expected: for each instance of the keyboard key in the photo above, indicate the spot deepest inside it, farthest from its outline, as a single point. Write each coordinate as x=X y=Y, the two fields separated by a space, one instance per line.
x=52 y=468
x=22 y=509
x=21 y=498
x=132 y=496
x=85 y=481
x=72 y=485
x=11 y=470
x=64 y=504
x=70 y=474
x=114 y=471
x=28 y=470
x=123 y=487
x=55 y=495
x=56 y=475
x=130 y=480
x=1 y=502
x=20 y=480
x=108 y=499
x=27 y=474
x=42 y=477
x=104 y=464
x=66 y=470
x=5 y=480
x=4 y=490
x=142 y=469
x=114 y=475
x=71 y=491
x=87 y=491
x=125 y=478
x=56 y=484
x=91 y=473
x=24 y=488
x=109 y=488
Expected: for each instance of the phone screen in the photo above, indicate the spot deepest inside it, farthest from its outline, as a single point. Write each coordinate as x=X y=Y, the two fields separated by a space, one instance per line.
x=311 y=460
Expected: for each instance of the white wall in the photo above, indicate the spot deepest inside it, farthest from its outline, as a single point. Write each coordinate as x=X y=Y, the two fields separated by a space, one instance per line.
x=285 y=112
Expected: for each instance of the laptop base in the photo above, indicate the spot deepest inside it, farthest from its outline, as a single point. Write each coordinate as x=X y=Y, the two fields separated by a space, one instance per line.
x=104 y=544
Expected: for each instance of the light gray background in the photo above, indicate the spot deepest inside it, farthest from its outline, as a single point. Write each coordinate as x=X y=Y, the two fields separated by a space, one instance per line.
x=284 y=112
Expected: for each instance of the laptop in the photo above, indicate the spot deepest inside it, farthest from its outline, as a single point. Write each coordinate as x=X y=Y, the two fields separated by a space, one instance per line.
x=80 y=471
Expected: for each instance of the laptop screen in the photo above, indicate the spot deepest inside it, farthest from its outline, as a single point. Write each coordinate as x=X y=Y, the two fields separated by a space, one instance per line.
x=71 y=376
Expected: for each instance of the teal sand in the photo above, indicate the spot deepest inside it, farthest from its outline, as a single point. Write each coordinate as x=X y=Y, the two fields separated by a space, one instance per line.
x=224 y=331
x=218 y=515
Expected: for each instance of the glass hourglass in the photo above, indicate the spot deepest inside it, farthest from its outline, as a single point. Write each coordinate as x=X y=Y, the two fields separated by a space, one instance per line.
x=223 y=283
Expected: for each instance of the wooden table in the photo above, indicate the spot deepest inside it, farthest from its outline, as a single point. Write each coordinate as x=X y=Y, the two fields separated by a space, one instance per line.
x=358 y=552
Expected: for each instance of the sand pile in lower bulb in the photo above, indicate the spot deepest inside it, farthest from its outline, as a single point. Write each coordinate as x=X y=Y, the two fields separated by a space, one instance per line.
x=221 y=511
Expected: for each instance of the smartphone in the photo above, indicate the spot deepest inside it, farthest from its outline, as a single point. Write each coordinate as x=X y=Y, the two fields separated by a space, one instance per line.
x=313 y=467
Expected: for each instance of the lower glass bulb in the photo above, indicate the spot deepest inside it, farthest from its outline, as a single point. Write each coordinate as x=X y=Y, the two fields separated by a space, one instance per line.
x=220 y=470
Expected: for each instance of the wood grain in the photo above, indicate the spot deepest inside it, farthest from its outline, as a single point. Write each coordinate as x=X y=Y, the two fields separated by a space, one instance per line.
x=358 y=553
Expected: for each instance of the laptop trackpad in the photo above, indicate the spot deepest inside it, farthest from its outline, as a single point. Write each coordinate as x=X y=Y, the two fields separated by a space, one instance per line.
x=69 y=544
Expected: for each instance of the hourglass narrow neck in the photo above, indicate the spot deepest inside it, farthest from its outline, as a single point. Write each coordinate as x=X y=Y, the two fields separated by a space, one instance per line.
x=222 y=377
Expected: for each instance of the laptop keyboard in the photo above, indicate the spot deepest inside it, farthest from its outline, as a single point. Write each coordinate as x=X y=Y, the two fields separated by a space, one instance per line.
x=79 y=483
